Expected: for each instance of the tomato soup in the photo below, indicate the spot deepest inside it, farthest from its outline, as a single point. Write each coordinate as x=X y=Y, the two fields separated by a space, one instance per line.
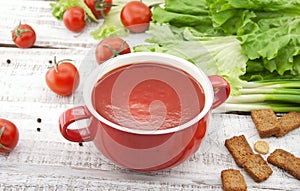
x=148 y=96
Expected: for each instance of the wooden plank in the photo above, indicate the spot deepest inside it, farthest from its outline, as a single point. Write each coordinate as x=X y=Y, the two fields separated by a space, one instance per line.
x=44 y=160
x=201 y=171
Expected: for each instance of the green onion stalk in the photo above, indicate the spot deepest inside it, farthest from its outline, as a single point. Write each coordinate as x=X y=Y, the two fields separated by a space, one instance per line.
x=279 y=95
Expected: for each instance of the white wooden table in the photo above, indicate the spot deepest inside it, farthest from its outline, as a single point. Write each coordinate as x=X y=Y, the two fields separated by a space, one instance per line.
x=44 y=160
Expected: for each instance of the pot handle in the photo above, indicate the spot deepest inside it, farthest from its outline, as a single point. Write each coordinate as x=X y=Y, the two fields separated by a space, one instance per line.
x=70 y=116
x=221 y=90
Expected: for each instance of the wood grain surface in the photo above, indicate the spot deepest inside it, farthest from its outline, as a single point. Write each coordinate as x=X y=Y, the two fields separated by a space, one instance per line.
x=44 y=160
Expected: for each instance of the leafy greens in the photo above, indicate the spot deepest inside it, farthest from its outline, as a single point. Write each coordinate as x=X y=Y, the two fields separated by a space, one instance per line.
x=209 y=53
x=243 y=41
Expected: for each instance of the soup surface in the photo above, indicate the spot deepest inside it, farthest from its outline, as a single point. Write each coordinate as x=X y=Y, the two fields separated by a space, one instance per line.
x=148 y=96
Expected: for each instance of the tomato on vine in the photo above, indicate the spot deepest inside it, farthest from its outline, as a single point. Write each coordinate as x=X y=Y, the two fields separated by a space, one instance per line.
x=9 y=136
x=111 y=47
x=99 y=7
x=136 y=16
x=63 y=78
x=74 y=19
x=24 y=36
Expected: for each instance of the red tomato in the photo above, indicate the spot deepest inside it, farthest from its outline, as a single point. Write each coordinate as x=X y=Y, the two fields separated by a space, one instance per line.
x=99 y=7
x=111 y=47
x=24 y=36
x=136 y=16
x=9 y=136
x=74 y=19
x=63 y=79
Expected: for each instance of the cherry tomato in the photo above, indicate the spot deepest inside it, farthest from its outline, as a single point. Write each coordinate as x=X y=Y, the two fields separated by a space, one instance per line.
x=24 y=36
x=99 y=7
x=136 y=16
x=63 y=78
x=111 y=47
x=9 y=136
x=74 y=19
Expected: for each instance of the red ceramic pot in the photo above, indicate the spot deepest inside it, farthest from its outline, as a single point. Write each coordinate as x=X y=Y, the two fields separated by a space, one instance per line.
x=144 y=144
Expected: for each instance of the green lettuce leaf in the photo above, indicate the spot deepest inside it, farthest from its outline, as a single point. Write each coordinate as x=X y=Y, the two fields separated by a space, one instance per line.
x=180 y=19
x=277 y=42
x=287 y=6
x=112 y=25
x=60 y=6
x=213 y=55
x=198 y=7
x=269 y=32
x=230 y=15
x=183 y=13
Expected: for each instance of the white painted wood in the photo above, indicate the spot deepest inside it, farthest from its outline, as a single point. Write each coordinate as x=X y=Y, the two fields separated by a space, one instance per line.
x=44 y=160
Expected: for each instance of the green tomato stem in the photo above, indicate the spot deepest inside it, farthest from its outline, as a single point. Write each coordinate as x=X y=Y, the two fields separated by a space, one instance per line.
x=18 y=31
x=114 y=51
x=56 y=63
x=101 y=5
